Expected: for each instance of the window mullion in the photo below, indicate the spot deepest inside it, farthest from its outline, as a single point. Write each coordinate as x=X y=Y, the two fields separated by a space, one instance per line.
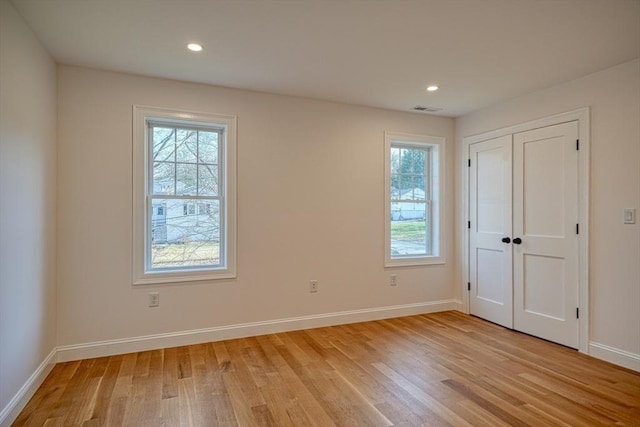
x=428 y=189
x=175 y=161
x=168 y=197
x=221 y=166
x=197 y=162
x=221 y=185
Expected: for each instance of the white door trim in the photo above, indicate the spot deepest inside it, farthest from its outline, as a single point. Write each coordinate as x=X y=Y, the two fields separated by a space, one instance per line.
x=582 y=117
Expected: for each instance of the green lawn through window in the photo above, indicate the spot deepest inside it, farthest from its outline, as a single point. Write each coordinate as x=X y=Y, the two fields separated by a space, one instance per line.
x=409 y=231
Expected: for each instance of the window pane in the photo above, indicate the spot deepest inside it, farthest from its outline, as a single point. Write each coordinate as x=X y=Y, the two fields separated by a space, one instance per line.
x=413 y=161
x=186 y=179
x=395 y=191
x=406 y=187
x=395 y=160
x=185 y=240
x=418 y=161
x=208 y=180
x=408 y=229
x=186 y=145
x=407 y=161
x=418 y=188
x=163 y=178
x=395 y=186
x=204 y=208
x=208 y=146
x=163 y=144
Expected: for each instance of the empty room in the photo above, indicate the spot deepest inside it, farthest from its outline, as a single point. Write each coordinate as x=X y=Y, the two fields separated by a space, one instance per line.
x=319 y=213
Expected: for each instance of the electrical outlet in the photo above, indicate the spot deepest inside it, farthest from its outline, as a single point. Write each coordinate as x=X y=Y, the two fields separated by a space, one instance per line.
x=313 y=286
x=393 y=280
x=629 y=216
x=154 y=299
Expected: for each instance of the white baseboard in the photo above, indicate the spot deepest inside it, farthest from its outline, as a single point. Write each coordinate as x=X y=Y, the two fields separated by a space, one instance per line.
x=615 y=355
x=218 y=333
x=458 y=305
x=10 y=412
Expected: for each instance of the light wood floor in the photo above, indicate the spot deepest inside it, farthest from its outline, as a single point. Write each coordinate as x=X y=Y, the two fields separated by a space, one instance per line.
x=437 y=369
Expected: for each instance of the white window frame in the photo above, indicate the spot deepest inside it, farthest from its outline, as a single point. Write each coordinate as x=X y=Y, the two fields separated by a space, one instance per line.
x=436 y=162
x=142 y=273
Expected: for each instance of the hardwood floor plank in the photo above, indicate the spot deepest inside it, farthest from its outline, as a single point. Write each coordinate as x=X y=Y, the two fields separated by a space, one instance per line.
x=205 y=415
x=184 y=362
x=288 y=384
x=153 y=386
x=546 y=418
x=189 y=406
x=84 y=403
x=479 y=415
x=427 y=370
x=170 y=412
x=575 y=403
x=141 y=368
x=170 y=374
x=434 y=405
x=54 y=422
x=104 y=394
x=409 y=402
x=250 y=392
x=39 y=408
x=77 y=389
x=115 y=412
x=242 y=411
x=263 y=416
x=495 y=410
x=217 y=365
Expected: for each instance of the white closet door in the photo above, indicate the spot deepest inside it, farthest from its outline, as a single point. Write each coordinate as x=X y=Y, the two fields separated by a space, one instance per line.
x=545 y=263
x=490 y=259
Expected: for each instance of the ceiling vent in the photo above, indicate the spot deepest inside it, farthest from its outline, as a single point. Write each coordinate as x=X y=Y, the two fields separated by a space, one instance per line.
x=426 y=109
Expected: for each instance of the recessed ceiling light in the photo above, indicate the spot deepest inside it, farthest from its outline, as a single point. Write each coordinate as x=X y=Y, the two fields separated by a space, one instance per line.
x=195 y=47
x=432 y=88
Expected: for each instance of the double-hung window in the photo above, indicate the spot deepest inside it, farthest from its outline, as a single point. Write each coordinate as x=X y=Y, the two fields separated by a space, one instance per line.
x=184 y=167
x=413 y=194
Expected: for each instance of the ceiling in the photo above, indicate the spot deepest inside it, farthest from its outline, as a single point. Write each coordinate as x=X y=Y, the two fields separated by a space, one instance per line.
x=380 y=53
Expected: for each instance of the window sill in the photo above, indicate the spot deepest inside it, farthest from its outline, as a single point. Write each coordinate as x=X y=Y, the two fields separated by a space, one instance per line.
x=414 y=261
x=182 y=276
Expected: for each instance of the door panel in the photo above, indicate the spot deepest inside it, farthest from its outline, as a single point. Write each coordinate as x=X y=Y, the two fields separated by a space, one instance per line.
x=540 y=277
x=545 y=214
x=489 y=281
x=543 y=183
x=490 y=259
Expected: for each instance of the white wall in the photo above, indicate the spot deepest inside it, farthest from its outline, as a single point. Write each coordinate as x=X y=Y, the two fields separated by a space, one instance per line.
x=310 y=203
x=614 y=98
x=27 y=205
